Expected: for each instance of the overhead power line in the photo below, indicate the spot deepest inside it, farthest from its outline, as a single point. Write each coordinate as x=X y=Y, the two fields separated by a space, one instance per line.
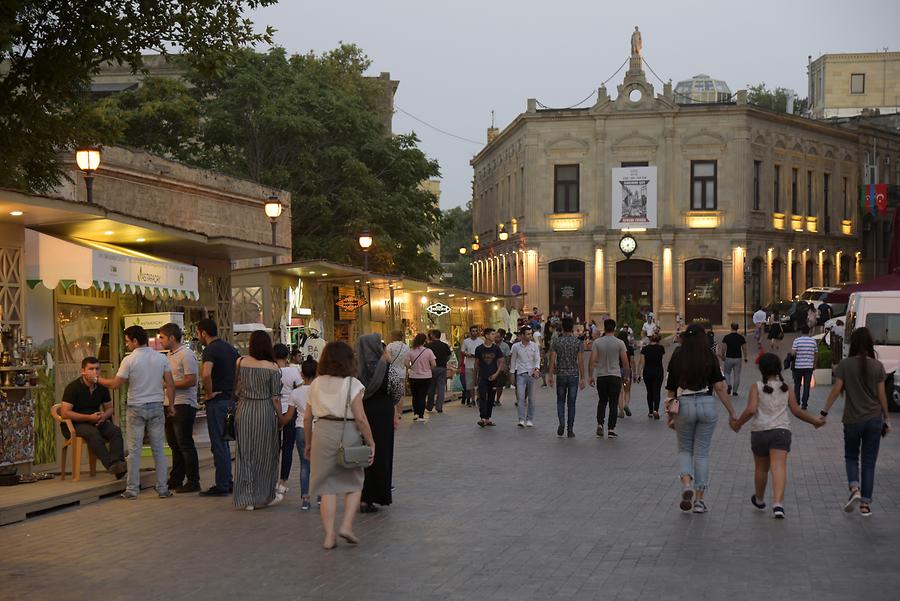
x=438 y=129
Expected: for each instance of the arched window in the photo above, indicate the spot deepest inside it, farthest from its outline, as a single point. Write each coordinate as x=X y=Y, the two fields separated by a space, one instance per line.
x=703 y=290
x=777 y=269
x=810 y=271
x=756 y=267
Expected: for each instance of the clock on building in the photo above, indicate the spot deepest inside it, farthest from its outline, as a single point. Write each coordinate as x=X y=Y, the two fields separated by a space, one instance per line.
x=628 y=245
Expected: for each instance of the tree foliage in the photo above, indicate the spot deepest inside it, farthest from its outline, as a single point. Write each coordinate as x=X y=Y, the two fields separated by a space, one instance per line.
x=49 y=50
x=775 y=99
x=304 y=123
x=457 y=233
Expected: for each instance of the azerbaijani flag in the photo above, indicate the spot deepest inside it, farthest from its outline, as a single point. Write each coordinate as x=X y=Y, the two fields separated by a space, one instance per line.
x=873 y=198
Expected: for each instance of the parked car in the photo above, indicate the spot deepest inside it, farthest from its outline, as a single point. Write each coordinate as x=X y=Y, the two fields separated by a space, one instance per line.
x=793 y=313
x=816 y=295
x=880 y=312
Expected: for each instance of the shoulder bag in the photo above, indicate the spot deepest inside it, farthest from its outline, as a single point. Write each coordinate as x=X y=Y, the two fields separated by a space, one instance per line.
x=396 y=385
x=228 y=431
x=356 y=456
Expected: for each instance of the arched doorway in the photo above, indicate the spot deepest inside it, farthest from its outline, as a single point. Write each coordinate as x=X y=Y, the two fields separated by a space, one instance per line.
x=755 y=299
x=826 y=272
x=844 y=268
x=634 y=283
x=795 y=279
x=703 y=290
x=810 y=272
x=567 y=287
x=777 y=268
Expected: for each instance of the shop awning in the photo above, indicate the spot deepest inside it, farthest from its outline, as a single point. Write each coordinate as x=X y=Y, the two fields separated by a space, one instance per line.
x=54 y=261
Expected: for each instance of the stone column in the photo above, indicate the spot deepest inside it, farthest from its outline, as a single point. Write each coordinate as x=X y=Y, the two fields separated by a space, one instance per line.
x=599 y=306
x=789 y=277
x=668 y=303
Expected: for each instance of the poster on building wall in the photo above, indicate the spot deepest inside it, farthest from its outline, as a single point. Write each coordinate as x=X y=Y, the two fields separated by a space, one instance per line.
x=633 y=197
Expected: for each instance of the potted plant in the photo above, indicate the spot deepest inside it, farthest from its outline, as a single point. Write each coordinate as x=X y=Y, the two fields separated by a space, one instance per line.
x=822 y=372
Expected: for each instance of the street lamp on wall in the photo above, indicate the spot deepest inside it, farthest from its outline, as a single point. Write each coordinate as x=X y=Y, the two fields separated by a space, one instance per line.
x=463 y=250
x=502 y=234
x=274 y=209
x=88 y=160
x=365 y=243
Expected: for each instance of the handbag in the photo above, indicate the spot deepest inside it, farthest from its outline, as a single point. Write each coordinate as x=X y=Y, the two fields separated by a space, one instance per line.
x=356 y=456
x=672 y=406
x=396 y=385
x=228 y=432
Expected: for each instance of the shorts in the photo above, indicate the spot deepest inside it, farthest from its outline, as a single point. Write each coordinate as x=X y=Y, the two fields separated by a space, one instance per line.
x=765 y=440
x=502 y=380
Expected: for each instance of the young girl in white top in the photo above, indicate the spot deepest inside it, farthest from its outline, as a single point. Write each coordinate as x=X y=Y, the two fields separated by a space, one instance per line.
x=293 y=419
x=770 y=437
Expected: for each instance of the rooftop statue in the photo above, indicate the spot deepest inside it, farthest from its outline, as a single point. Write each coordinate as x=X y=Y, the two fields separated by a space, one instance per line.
x=636 y=43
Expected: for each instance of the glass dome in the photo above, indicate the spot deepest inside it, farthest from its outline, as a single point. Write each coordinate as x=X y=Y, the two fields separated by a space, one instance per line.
x=702 y=89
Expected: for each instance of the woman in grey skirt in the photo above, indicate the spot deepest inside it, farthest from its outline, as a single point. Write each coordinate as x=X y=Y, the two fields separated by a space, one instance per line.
x=328 y=399
x=256 y=425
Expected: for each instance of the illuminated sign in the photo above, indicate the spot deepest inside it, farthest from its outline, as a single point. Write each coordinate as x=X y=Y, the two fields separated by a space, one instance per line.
x=438 y=309
x=350 y=303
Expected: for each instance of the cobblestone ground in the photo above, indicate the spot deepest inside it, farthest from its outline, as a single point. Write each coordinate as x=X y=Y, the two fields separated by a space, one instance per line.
x=499 y=513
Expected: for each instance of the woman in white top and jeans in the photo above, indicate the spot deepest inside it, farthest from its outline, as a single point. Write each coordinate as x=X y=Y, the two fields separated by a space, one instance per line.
x=770 y=432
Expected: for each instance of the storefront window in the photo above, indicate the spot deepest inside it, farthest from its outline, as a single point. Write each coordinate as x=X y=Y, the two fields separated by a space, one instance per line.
x=82 y=331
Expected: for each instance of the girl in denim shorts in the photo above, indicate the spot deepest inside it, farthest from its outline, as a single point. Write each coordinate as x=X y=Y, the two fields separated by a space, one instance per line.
x=770 y=431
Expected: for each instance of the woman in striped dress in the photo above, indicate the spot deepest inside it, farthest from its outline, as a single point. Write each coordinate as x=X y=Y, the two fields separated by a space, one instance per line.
x=258 y=388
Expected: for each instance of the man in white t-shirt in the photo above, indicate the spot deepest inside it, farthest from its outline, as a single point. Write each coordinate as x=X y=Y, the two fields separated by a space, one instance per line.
x=147 y=373
x=313 y=347
x=759 y=321
x=467 y=348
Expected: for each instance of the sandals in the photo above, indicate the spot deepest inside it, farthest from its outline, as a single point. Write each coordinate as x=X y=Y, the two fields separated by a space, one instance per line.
x=865 y=510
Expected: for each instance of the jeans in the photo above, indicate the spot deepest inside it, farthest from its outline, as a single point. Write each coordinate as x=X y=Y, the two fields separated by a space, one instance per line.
x=438 y=389
x=732 y=369
x=608 y=389
x=653 y=382
x=487 y=390
x=180 y=436
x=802 y=377
x=566 y=393
x=866 y=434
x=525 y=396
x=466 y=394
x=694 y=426
x=152 y=417
x=97 y=437
x=215 y=423
x=419 y=389
x=288 y=437
x=300 y=440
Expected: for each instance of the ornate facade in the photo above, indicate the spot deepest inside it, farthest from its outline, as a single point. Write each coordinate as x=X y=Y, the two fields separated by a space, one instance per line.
x=738 y=188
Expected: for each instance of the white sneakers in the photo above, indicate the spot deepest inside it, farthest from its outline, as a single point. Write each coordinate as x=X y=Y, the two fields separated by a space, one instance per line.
x=529 y=424
x=521 y=423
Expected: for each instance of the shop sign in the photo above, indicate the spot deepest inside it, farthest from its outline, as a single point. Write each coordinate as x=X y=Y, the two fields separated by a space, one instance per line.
x=438 y=309
x=350 y=303
x=633 y=198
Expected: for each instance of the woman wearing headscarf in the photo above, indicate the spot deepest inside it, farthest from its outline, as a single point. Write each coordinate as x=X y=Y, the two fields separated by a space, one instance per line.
x=384 y=418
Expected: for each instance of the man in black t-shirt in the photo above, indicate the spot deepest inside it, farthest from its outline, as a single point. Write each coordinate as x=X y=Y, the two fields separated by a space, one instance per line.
x=217 y=373
x=489 y=362
x=90 y=408
x=735 y=350
x=438 y=388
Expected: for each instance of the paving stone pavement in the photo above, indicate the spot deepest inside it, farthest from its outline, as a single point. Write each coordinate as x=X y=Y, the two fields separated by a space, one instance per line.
x=497 y=513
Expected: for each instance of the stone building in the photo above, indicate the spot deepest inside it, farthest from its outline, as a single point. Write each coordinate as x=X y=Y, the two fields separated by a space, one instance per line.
x=736 y=187
x=846 y=85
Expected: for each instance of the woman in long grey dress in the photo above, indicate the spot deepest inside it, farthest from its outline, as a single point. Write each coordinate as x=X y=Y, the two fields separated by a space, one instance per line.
x=329 y=396
x=256 y=425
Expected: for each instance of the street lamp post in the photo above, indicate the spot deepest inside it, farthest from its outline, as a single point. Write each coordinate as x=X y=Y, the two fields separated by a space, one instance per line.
x=747 y=276
x=365 y=243
x=88 y=160
x=274 y=209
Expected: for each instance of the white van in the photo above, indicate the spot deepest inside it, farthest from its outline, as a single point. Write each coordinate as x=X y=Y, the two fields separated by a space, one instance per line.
x=880 y=312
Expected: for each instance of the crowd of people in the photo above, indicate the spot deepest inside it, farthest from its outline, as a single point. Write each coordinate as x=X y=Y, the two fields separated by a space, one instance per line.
x=271 y=402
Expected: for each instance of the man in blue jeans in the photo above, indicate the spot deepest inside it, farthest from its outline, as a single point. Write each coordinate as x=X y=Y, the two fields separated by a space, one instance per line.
x=804 y=352
x=148 y=374
x=217 y=374
x=566 y=363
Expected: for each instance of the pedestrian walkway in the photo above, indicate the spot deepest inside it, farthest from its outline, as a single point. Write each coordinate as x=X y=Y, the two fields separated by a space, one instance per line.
x=496 y=513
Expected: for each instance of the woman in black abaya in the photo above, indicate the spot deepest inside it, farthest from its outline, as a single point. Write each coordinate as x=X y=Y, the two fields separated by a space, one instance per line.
x=384 y=418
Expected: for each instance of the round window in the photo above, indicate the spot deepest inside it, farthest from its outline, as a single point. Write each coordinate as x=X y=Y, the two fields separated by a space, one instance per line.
x=635 y=95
